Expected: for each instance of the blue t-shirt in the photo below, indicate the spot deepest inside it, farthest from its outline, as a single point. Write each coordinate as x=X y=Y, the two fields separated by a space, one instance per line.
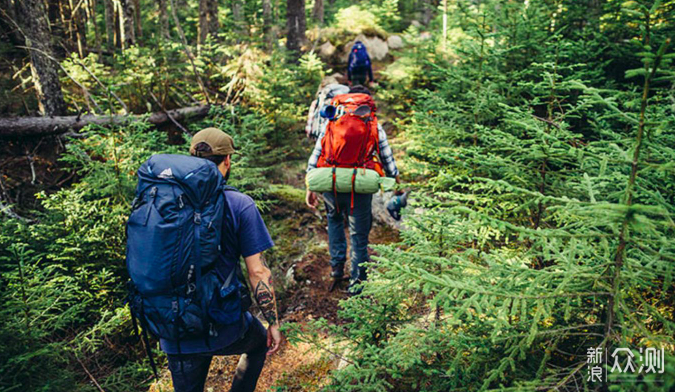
x=244 y=234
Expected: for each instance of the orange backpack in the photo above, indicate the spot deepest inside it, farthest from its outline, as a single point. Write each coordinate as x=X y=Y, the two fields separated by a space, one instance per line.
x=351 y=140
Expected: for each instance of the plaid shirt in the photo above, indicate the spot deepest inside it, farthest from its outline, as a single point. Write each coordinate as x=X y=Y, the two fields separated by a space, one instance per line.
x=386 y=155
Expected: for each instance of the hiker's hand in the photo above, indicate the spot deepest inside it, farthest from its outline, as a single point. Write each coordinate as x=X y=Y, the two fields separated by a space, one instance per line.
x=274 y=339
x=398 y=192
x=311 y=200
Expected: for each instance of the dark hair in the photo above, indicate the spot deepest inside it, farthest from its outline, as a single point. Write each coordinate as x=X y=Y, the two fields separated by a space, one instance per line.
x=359 y=89
x=203 y=148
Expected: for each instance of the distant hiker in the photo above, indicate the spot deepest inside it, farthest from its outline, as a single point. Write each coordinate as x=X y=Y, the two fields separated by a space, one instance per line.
x=186 y=235
x=315 y=123
x=353 y=142
x=359 y=66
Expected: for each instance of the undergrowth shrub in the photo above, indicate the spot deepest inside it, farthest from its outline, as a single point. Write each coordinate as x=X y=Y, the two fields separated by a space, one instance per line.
x=541 y=220
x=63 y=275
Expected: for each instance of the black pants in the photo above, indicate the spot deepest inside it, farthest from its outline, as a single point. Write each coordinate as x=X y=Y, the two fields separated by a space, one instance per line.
x=191 y=376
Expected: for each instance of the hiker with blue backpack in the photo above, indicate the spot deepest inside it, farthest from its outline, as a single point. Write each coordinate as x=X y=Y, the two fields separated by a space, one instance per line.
x=185 y=236
x=360 y=66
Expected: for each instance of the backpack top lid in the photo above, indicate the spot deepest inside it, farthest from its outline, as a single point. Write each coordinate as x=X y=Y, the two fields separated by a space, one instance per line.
x=360 y=55
x=358 y=46
x=199 y=178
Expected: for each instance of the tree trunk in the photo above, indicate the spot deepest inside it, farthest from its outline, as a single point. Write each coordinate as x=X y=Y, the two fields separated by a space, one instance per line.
x=317 y=11
x=39 y=126
x=214 y=23
x=163 y=19
x=126 y=17
x=268 y=21
x=137 y=20
x=33 y=16
x=109 y=23
x=237 y=17
x=295 y=25
x=203 y=26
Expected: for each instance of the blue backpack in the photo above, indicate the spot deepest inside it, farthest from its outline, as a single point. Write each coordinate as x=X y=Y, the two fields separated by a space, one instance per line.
x=359 y=57
x=181 y=286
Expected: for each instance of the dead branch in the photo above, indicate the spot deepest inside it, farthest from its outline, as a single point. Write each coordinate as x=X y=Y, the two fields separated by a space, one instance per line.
x=173 y=120
x=19 y=127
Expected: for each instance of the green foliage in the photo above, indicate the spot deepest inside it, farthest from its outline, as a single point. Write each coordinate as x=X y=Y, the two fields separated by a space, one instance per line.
x=357 y=20
x=542 y=217
x=282 y=91
x=63 y=276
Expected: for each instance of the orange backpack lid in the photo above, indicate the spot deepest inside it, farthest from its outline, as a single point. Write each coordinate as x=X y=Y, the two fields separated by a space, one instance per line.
x=350 y=140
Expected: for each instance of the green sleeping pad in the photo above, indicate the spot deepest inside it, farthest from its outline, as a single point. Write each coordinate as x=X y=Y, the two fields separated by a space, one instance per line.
x=367 y=180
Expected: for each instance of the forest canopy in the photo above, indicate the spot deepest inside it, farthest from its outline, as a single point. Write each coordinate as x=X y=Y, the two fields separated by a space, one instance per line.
x=536 y=139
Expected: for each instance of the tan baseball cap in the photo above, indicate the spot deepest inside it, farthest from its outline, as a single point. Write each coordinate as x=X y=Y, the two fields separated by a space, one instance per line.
x=220 y=142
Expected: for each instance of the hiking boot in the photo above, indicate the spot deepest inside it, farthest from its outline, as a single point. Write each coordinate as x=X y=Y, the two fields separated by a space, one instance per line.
x=354 y=287
x=337 y=271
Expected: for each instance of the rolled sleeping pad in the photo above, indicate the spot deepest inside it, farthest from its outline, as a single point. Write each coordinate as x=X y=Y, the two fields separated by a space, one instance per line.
x=366 y=181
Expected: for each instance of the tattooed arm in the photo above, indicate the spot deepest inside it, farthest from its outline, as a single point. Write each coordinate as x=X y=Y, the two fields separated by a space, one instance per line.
x=260 y=277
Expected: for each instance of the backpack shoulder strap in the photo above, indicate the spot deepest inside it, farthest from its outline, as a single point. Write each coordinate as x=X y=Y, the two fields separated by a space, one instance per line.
x=230 y=188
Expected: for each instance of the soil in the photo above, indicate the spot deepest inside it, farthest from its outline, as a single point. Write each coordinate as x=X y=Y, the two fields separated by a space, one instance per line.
x=297 y=367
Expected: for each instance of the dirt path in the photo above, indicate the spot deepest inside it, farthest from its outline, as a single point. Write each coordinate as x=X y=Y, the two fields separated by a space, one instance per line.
x=296 y=368
x=306 y=294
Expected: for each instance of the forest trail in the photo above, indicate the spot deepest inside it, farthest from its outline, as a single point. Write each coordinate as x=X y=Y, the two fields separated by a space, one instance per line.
x=300 y=367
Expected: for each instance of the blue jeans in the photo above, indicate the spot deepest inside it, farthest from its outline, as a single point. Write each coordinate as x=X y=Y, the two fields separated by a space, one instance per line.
x=360 y=222
x=190 y=376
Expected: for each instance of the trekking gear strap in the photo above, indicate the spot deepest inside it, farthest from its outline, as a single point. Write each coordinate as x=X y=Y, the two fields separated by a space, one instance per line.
x=148 y=349
x=337 y=205
x=351 y=211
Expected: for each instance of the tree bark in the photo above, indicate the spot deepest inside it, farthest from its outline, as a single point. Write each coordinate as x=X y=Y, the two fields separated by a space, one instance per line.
x=163 y=19
x=33 y=16
x=203 y=26
x=214 y=23
x=137 y=20
x=208 y=20
x=237 y=17
x=126 y=17
x=317 y=11
x=109 y=23
x=11 y=128
x=268 y=21
x=295 y=25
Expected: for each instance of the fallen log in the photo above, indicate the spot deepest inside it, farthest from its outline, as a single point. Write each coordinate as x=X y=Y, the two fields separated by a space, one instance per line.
x=11 y=128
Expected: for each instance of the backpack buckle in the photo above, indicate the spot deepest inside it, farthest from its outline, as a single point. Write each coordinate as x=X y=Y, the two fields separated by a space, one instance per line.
x=198 y=218
x=181 y=204
x=174 y=306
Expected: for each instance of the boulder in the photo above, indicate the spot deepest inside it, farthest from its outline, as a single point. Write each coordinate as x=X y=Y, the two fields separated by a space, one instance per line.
x=326 y=50
x=425 y=35
x=336 y=78
x=415 y=23
x=377 y=48
x=394 y=42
